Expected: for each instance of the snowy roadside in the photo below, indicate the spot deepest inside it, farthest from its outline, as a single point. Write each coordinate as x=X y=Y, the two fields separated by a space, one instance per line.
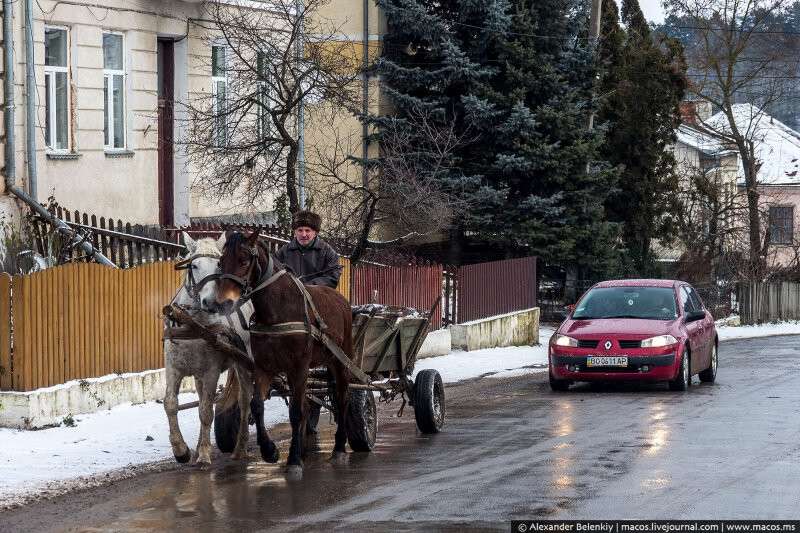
x=109 y=442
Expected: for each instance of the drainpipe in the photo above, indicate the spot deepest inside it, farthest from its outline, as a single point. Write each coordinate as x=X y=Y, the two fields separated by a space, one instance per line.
x=365 y=95
x=10 y=161
x=30 y=101
x=8 y=110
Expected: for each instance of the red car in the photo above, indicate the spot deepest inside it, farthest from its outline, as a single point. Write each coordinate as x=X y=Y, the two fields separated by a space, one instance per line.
x=635 y=330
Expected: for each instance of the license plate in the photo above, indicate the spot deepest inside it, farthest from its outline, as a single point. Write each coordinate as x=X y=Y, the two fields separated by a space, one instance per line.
x=606 y=361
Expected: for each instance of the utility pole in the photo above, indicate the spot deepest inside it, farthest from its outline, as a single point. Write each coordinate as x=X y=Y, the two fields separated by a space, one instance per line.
x=594 y=38
x=572 y=271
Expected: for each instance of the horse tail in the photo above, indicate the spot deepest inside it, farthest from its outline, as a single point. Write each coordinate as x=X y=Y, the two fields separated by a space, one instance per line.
x=230 y=394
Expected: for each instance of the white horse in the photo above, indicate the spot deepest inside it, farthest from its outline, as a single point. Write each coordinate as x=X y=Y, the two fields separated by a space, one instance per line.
x=195 y=357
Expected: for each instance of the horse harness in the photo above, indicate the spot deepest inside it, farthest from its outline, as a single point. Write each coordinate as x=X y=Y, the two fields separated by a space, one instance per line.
x=314 y=330
x=177 y=330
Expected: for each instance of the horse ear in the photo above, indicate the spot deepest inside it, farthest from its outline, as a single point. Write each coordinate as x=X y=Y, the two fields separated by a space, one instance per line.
x=221 y=241
x=190 y=243
x=253 y=238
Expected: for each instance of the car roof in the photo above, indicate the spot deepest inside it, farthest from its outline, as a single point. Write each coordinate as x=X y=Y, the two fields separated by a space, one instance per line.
x=638 y=283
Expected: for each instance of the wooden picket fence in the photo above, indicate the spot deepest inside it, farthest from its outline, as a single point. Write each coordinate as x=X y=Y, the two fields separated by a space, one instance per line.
x=83 y=320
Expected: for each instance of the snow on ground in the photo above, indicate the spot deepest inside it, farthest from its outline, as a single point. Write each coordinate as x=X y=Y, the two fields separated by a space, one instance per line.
x=762 y=330
x=99 y=442
x=494 y=362
x=33 y=461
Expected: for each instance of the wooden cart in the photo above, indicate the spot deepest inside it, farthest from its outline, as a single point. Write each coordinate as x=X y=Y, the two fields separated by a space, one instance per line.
x=386 y=341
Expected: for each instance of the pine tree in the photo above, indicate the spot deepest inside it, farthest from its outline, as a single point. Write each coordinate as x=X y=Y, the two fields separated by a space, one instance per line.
x=641 y=87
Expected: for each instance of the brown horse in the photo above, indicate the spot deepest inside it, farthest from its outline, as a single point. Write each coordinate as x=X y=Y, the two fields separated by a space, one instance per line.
x=285 y=312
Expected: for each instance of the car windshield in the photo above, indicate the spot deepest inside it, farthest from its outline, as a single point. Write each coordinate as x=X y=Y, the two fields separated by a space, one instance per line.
x=649 y=303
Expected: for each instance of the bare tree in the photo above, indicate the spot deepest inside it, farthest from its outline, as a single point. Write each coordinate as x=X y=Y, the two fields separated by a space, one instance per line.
x=399 y=195
x=738 y=58
x=713 y=218
x=267 y=64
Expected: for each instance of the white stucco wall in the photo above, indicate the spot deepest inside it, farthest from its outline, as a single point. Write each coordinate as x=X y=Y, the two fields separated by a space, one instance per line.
x=94 y=181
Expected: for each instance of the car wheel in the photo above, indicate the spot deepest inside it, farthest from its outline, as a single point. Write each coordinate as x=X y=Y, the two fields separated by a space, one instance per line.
x=684 y=378
x=710 y=374
x=558 y=385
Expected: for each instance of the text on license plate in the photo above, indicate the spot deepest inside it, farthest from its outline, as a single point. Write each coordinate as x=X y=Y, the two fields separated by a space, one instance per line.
x=606 y=361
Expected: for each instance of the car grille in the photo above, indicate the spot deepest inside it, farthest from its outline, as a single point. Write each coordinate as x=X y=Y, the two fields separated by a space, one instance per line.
x=586 y=343
x=630 y=344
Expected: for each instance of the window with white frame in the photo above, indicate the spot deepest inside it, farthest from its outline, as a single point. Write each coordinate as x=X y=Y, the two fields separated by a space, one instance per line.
x=264 y=97
x=113 y=91
x=56 y=86
x=219 y=89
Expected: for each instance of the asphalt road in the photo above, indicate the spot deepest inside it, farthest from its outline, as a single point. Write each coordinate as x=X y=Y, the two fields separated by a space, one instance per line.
x=511 y=449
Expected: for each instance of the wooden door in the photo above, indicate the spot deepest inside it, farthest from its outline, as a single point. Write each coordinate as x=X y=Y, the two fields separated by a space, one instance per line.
x=166 y=145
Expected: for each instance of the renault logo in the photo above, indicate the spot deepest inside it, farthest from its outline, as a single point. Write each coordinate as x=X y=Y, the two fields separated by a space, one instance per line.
x=607 y=345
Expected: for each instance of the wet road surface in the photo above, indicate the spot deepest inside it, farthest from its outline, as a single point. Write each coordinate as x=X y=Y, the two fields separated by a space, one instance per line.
x=511 y=449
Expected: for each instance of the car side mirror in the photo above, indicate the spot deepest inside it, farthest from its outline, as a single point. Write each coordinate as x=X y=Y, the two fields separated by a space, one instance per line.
x=694 y=316
x=570 y=308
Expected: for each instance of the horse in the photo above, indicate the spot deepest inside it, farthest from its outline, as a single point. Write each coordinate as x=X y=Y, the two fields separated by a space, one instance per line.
x=285 y=335
x=195 y=357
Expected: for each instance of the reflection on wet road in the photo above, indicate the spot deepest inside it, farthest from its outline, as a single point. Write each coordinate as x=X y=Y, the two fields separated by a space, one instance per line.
x=510 y=449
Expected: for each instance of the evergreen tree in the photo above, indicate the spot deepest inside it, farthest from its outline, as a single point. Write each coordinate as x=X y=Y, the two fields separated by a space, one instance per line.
x=537 y=154
x=516 y=75
x=435 y=54
x=641 y=87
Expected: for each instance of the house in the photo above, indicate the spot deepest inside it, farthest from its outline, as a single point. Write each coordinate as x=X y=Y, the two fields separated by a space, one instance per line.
x=700 y=148
x=110 y=80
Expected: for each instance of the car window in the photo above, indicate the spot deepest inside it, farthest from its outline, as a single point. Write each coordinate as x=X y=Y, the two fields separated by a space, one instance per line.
x=649 y=303
x=686 y=301
x=695 y=299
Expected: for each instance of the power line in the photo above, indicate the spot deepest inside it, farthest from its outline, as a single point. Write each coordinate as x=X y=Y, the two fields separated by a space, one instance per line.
x=736 y=30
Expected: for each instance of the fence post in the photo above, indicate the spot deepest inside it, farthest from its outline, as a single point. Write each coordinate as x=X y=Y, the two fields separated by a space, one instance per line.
x=6 y=378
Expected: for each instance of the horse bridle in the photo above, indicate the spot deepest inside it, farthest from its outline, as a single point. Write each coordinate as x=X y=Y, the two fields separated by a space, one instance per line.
x=194 y=287
x=265 y=279
x=244 y=283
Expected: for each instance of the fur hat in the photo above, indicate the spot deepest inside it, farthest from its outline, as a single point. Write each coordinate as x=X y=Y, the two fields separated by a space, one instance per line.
x=307 y=219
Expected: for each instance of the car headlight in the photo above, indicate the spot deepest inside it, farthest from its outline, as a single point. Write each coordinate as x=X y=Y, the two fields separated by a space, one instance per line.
x=563 y=340
x=657 y=342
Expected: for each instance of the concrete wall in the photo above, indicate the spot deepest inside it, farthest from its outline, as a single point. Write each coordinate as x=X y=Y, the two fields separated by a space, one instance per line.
x=48 y=406
x=514 y=329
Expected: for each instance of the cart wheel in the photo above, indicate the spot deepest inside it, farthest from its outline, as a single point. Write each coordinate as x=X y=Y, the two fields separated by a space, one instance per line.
x=226 y=428
x=429 y=401
x=362 y=421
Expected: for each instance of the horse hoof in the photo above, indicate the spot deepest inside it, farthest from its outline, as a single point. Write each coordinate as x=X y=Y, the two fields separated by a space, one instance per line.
x=339 y=458
x=184 y=457
x=203 y=464
x=294 y=472
x=270 y=453
x=239 y=455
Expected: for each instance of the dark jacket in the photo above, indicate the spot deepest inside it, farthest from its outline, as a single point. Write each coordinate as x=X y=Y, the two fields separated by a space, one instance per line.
x=317 y=264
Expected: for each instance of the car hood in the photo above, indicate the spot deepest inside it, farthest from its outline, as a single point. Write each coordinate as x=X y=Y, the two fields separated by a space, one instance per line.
x=616 y=326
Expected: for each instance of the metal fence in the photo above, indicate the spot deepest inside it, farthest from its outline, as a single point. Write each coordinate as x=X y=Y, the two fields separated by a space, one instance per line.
x=494 y=288
x=409 y=286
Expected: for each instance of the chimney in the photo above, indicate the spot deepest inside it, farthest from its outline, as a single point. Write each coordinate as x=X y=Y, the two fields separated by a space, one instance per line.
x=695 y=111
x=688 y=112
x=703 y=110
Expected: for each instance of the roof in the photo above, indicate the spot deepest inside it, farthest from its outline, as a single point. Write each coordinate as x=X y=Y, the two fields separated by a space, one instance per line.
x=698 y=140
x=637 y=283
x=777 y=146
